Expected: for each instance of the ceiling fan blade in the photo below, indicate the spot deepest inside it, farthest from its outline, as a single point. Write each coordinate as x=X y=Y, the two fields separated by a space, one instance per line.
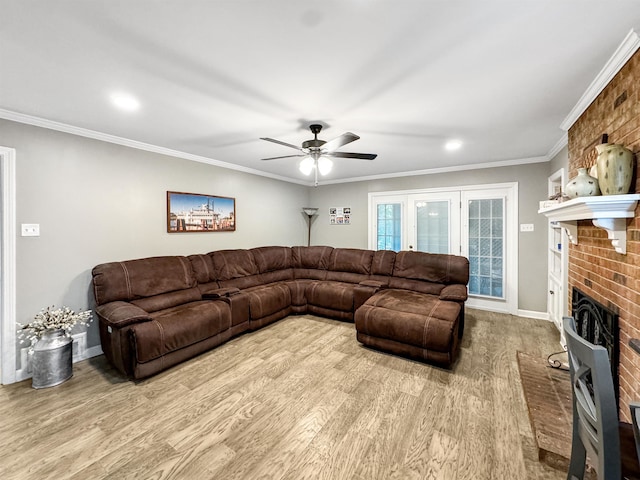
x=280 y=143
x=338 y=142
x=361 y=156
x=284 y=156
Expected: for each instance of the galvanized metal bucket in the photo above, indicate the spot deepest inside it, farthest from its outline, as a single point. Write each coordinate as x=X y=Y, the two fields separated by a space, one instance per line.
x=52 y=359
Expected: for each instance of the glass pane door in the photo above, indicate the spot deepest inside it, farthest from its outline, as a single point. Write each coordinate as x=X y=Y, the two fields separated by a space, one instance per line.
x=389 y=226
x=486 y=247
x=436 y=222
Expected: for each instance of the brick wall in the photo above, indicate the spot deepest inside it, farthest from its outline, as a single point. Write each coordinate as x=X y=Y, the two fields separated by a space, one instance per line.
x=594 y=266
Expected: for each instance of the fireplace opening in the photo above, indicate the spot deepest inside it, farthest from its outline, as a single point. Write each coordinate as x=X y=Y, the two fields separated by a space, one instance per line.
x=599 y=325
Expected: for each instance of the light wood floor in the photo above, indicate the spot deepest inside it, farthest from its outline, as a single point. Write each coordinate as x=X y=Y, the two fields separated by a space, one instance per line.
x=298 y=399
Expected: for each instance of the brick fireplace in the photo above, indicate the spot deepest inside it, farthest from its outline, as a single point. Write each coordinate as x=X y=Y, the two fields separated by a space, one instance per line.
x=595 y=268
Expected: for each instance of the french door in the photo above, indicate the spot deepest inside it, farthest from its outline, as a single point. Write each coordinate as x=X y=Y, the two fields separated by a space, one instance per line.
x=434 y=222
x=477 y=222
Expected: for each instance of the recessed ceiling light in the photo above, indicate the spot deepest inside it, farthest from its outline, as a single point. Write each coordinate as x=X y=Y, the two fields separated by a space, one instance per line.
x=124 y=101
x=452 y=145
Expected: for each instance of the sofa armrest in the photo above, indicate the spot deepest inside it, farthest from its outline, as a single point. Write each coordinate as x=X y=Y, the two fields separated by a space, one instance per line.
x=121 y=314
x=220 y=293
x=454 y=293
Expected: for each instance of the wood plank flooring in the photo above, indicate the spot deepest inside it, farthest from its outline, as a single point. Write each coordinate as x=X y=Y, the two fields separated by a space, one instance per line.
x=300 y=399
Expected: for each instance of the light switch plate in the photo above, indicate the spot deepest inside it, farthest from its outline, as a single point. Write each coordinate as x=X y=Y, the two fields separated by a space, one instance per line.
x=526 y=227
x=30 y=229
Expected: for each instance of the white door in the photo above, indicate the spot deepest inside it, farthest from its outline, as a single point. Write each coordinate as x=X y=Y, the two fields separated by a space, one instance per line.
x=434 y=222
x=489 y=241
x=387 y=223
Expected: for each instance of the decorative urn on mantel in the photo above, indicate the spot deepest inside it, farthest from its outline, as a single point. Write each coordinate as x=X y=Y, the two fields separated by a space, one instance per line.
x=615 y=168
x=582 y=185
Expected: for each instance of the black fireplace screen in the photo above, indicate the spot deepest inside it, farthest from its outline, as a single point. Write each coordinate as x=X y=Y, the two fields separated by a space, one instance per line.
x=599 y=325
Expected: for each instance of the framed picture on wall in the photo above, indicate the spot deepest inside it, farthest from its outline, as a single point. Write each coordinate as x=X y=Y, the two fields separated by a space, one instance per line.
x=194 y=212
x=340 y=216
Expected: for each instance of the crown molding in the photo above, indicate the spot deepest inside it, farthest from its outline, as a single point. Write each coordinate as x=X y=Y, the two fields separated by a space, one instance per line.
x=622 y=54
x=561 y=143
x=434 y=171
x=104 y=137
x=83 y=132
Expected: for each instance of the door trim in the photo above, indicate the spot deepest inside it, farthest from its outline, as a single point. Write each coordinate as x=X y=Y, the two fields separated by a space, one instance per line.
x=8 y=266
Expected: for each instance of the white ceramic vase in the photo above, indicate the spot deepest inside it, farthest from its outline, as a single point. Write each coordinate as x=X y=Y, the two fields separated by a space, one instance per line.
x=582 y=185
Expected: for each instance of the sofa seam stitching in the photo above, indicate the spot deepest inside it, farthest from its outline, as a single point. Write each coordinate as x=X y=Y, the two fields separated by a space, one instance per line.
x=426 y=328
x=128 y=281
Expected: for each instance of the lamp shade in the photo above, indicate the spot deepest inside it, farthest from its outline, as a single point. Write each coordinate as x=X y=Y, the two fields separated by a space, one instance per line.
x=310 y=211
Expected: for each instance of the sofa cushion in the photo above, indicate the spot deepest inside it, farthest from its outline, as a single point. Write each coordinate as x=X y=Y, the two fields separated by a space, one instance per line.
x=179 y=327
x=168 y=300
x=416 y=285
x=350 y=260
x=202 y=268
x=235 y=268
x=382 y=262
x=268 y=299
x=230 y=264
x=430 y=267
x=311 y=257
x=140 y=278
x=409 y=317
x=333 y=295
x=311 y=262
x=349 y=265
x=269 y=259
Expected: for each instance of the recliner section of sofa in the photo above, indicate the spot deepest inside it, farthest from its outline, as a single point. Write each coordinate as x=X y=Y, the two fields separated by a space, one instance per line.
x=159 y=311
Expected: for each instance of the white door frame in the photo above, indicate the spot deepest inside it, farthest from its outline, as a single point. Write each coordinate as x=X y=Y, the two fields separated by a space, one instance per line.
x=8 y=266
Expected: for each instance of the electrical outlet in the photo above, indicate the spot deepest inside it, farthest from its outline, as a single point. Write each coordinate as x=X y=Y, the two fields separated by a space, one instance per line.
x=30 y=229
x=526 y=227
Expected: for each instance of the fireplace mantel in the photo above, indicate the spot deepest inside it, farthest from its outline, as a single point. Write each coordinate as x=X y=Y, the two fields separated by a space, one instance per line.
x=609 y=212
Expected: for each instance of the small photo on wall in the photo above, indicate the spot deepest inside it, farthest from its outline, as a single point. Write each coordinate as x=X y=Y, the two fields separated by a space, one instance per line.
x=340 y=216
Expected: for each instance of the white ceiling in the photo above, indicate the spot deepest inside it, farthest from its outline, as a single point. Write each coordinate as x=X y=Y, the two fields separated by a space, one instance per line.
x=406 y=75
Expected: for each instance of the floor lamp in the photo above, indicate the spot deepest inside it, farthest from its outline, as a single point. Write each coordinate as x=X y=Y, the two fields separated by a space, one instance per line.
x=310 y=212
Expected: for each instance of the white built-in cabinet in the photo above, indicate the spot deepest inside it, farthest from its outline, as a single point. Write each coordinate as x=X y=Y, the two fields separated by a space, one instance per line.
x=558 y=261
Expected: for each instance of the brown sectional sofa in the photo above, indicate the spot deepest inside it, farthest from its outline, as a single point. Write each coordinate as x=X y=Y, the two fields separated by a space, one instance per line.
x=157 y=312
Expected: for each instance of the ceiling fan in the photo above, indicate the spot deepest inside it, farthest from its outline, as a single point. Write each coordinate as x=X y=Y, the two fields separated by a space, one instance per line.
x=316 y=153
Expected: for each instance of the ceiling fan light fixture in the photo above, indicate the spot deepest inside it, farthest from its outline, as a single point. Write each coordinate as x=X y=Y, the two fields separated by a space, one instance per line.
x=306 y=165
x=324 y=165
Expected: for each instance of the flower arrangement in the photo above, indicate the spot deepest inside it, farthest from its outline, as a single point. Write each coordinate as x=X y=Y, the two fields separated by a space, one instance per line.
x=52 y=319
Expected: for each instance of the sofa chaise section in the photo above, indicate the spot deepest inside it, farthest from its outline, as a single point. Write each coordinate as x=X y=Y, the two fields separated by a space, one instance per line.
x=421 y=314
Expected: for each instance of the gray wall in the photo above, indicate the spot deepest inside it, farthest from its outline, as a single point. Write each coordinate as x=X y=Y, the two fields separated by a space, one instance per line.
x=98 y=202
x=561 y=160
x=532 y=187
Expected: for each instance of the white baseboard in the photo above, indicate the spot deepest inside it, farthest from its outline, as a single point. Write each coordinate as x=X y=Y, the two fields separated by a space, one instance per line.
x=534 y=314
